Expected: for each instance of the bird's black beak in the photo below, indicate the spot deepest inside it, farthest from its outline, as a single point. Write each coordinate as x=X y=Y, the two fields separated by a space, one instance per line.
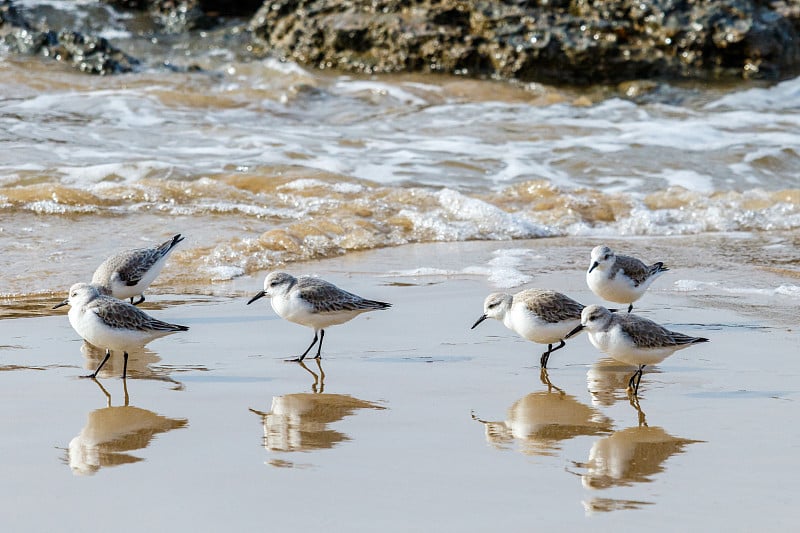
x=62 y=304
x=481 y=319
x=594 y=265
x=260 y=294
x=574 y=331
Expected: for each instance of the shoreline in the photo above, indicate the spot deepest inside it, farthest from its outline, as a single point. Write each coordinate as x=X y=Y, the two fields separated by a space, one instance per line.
x=701 y=270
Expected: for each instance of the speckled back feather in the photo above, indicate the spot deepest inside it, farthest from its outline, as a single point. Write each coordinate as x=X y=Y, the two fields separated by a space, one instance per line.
x=133 y=265
x=550 y=306
x=635 y=269
x=326 y=297
x=647 y=334
x=122 y=315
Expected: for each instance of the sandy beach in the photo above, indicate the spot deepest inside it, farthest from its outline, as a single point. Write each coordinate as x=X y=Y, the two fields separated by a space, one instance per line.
x=413 y=421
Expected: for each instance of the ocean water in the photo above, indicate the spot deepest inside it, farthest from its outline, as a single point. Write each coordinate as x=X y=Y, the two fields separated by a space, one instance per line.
x=264 y=163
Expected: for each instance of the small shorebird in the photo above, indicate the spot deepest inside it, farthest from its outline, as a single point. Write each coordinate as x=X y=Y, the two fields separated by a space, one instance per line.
x=129 y=273
x=631 y=339
x=113 y=324
x=538 y=315
x=619 y=278
x=314 y=303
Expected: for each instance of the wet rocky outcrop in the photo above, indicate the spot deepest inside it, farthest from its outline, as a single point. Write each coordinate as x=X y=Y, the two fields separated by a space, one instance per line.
x=556 y=41
x=86 y=53
x=576 y=42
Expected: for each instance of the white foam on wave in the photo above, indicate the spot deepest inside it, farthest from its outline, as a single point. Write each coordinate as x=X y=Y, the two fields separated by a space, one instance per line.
x=505 y=267
x=100 y=173
x=421 y=272
x=614 y=145
x=691 y=285
x=486 y=220
x=285 y=67
x=428 y=87
x=114 y=34
x=223 y=272
x=688 y=285
x=516 y=164
x=685 y=133
x=123 y=107
x=788 y=290
x=502 y=271
x=354 y=87
x=53 y=207
x=504 y=278
x=706 y=214
x=784 y=95
x=688 y=179
x=310 y=183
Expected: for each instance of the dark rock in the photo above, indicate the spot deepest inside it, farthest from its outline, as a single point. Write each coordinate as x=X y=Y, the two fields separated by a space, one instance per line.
x=93 y=55
x=178 y=16
x=219 y=8
x=226 y=8
x=557 y=41
x=86 y=53
x=10 y=17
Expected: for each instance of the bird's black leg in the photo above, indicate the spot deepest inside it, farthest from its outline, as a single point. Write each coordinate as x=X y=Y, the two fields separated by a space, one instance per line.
x=636 y=378
x=630 y=307
x=125 y=365
x=298 y=359
x=96 y=370
x=319 y=348
x=636 y=390
x=546 y=355
x=140 y=300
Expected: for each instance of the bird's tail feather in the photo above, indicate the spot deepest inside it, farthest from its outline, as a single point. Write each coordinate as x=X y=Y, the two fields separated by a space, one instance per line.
x=657 y=268
x=167 y=246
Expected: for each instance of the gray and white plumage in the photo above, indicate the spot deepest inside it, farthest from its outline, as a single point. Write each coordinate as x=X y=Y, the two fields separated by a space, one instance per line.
x=538 y=315
x=314 y=303
x=620 y=278
x=128 y=273
x=631 y=339
x=113 y=324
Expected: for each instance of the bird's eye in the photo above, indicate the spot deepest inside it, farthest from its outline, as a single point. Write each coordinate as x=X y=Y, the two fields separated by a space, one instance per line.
x=492 y=305
x=274 y=283
x=607 y=256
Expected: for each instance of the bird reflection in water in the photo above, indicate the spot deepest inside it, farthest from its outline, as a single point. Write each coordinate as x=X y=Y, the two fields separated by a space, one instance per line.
x=111 y=432
x=607 y=381
x=299 y=422
x=628 y=456
x=142 y=364
x=540 y=420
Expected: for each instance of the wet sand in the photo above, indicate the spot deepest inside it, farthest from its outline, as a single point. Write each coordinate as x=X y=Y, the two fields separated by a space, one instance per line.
x=418 y=422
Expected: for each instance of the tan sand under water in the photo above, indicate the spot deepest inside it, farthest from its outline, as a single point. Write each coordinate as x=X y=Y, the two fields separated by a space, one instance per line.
x=412 y=421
